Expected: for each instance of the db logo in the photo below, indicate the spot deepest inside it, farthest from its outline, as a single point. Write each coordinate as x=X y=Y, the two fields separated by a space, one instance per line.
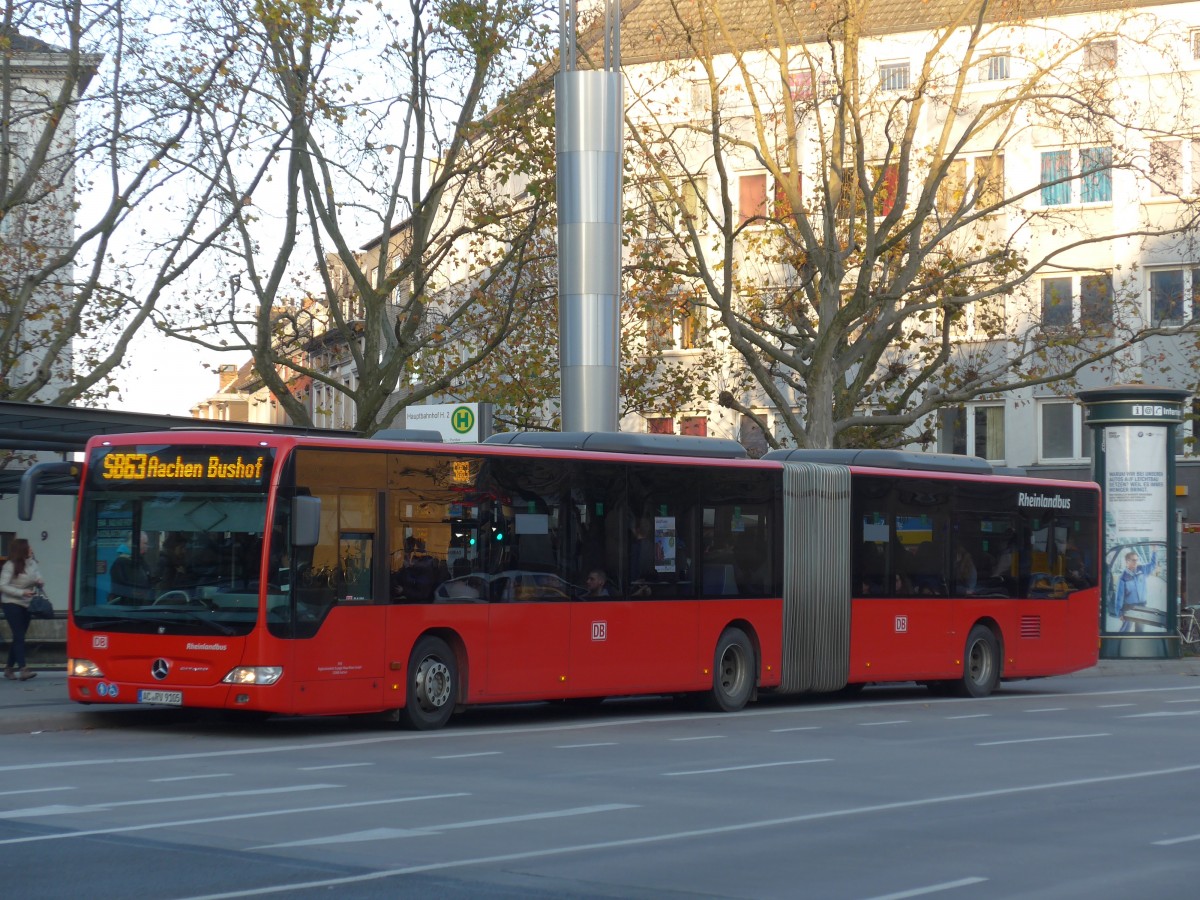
x=99 y=641
x=599 y=631
x=901 y=624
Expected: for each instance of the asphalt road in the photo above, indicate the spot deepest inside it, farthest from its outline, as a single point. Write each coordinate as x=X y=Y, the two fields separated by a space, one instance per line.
x=1061 y=788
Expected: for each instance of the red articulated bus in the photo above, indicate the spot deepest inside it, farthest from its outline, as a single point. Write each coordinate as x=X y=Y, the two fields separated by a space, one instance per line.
x=315 y=575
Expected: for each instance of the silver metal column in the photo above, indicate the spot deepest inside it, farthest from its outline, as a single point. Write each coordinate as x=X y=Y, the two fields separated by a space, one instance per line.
x=589 y=110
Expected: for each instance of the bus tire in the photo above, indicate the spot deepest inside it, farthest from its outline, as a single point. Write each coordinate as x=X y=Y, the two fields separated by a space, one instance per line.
x=733 y=672
x=432 y=691
x=981 y=663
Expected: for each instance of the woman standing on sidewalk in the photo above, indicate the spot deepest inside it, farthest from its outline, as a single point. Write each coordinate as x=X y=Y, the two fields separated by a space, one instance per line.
x=17 y=580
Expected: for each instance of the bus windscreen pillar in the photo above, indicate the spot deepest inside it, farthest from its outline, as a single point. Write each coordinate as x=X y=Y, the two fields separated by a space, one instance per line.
x=589 y=130
x=1133 y=434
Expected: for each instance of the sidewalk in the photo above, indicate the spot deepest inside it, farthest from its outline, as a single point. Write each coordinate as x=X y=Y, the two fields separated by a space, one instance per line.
x=41 y=704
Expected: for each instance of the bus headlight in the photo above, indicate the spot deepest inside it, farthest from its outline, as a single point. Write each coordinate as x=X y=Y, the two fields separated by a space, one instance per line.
x=84 y=668
x=254 y=675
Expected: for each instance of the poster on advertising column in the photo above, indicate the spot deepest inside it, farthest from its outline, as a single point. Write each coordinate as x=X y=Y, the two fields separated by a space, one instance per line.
x=1135 y=530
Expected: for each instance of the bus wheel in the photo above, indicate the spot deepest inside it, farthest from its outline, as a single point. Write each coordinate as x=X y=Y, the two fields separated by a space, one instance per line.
x=733 y=672
x=432 y=685
x=981 y=663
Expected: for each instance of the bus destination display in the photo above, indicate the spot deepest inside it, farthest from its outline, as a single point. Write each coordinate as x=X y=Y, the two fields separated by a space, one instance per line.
x=181 y=466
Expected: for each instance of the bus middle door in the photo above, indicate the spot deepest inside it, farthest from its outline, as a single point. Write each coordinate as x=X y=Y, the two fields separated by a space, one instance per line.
x=527 y=638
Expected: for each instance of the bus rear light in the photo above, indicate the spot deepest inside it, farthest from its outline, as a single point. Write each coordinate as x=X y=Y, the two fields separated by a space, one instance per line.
x=84 y=668
x=254 y=675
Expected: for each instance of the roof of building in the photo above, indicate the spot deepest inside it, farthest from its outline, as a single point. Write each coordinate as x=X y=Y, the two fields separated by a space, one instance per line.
x=655 y=30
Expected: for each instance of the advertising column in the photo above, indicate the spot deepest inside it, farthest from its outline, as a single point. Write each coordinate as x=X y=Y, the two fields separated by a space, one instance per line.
x=1133 y=432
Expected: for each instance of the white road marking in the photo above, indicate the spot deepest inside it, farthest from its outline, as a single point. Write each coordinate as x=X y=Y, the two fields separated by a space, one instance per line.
x=972 y=716
x=794 y=762
x=1191 y=700
x=151 y=826
x=1115 y=705
x=45 y=790
x=1170 y=842
x=1163 y=715
x=1061 y=737
x=891 y=722
x=797 y=728
x=191 y=777
x=931 y=889
x=1047 y=709
x=585 y=746
x=383 y=834
x=688 y=835
x=62 y=809
x=702 y=737
x=469 y=755
x=334 y=766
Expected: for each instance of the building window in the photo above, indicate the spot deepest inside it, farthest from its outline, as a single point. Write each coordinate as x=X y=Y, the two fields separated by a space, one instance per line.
x=894 y=76
x=1100 y=55
x=1056 y=302
x=976 y=429
x=1168 y=290
x=1194 y=40
x=1174 y=168
x=752 y=197
x=1095 y=301
x=660 y=425
x=693 y=327
x=800 y=86
x=1061 y=432
x=1056 y=172
x=701 y=101
x=781 y=206
x=1095 y=176
x=984 y=173
x=1187 y=432
x=1095 y=168
x=694 y=425
x=989 y=179
x=887 y=182
x=1166 y=168
x=671 y=216
x=694 y=194
x=996 y=67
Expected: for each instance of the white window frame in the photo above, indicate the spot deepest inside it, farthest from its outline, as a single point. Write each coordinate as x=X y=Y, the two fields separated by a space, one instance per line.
x=699 y=100
x=997 y=66
x=892 y=72
x=1101 y=55
x=1076 y=300
x=666 y=216
x=1190 y=273
x=1080 y=448
x=968 y=415
x=1186 y=176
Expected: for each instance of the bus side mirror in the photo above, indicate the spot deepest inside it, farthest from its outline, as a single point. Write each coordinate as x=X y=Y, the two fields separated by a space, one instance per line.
x=306 y=521
x=27 y=492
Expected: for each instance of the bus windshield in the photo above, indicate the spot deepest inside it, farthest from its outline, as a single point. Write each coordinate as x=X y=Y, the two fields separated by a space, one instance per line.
x=166 y=555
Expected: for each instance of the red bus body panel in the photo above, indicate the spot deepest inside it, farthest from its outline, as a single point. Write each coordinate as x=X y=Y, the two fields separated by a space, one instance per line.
x=923 y=638
x=357 y=662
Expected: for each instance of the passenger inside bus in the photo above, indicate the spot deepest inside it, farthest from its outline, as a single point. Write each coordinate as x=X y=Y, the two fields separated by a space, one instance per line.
x=174 y=572
x=130 y=578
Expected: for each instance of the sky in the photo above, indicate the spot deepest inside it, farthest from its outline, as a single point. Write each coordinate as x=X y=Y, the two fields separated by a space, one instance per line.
x=167 y=377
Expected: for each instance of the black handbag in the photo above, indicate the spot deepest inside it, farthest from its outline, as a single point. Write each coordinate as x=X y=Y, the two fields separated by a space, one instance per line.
x=40 y=606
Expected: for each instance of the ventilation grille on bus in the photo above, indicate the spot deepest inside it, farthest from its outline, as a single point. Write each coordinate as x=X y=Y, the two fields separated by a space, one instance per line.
x=1031 y=626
